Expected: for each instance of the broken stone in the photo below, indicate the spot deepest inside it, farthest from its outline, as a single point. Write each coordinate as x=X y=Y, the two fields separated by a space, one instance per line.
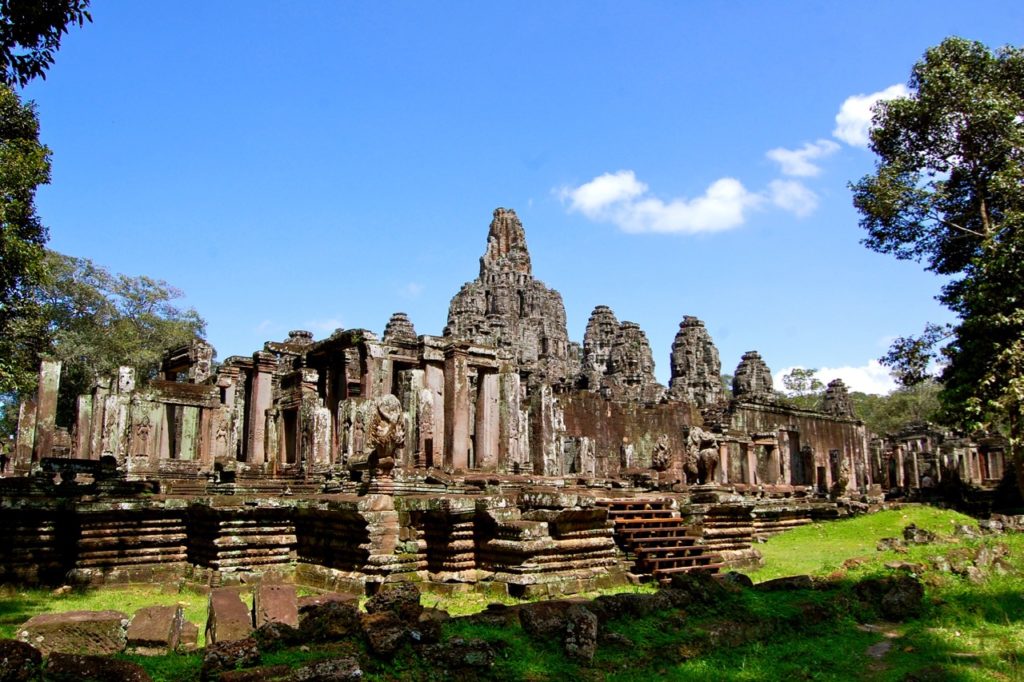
x=228 y=655
x=275 y=603
x=275 y=635
x=918 y=536
x=344 y=669
x=65 y=667
x=459 y=654
x=580 y=634
x=385 y=631
x=72 y=632
x=155 y=630
x=310 y=602
x=402 y=599
x=228 y=619
x=330 y=622
x=19 y=662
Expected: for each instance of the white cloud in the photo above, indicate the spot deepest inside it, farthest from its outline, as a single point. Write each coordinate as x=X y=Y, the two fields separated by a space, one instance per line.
x=621 y=199
x=411 y=290
x=854 y=117
x=799 y=161
x=872 y=377
x=793 y=196
x=327 y=325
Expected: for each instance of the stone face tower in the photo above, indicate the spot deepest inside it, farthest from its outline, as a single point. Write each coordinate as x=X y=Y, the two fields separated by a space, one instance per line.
x=753 y=379
x=506 y=307
x=696 y=367
x=837 y=400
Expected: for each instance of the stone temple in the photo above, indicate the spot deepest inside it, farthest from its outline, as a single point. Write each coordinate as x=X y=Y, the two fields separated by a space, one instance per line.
x=500 y=455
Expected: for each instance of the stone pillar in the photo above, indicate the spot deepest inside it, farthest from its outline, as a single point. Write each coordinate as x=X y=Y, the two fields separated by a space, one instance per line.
x=433 y=379
x=188 y=445
x=915 y=469
x=456 y=408
x=897 y=454
x=723 y=462
x=261 y=400
x=83 y=422
x=785 y=457
x=752 y=464
x=46 y=407
x=99 y=400
x=487 y=428
x=513 y=455
x=25 y=439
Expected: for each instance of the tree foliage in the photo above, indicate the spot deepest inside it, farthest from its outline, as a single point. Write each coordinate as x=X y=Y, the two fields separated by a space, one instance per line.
x=803 y=388
x=948 y=190
x=24 y=165
x=30 y=35
x=95 y=321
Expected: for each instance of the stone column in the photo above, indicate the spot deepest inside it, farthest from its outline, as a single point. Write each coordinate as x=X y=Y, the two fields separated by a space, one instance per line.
x=434 y=380
x=487 y=416
x=46 y=407
x=99 y=400
x=83 y=422
x=723 y=463
x=752 y=464
x=261 y=400
x=25 y=439
x=456 y=407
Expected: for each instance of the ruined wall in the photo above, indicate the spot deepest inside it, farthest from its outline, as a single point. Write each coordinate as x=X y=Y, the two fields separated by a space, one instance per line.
x=821 y=433
x=626 y=435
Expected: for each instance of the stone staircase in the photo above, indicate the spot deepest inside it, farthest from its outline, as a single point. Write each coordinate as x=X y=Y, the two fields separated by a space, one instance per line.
x=656 y=538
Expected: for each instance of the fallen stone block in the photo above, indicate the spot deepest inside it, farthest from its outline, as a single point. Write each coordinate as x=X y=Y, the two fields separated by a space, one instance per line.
x=223 y=656
x=155 y=630
x=310 y=602
x=331 y=622
x=19 y=662
x=275 y=603
x=73 y=632
x=75 y=668
x=227 y=619
x=332 y=670
x=401 y=599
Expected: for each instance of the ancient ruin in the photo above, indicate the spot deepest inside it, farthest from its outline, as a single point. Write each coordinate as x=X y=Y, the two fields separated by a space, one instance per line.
x=498 y=455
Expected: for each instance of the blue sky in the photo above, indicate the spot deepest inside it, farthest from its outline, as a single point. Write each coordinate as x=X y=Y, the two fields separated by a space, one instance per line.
x=324 y=164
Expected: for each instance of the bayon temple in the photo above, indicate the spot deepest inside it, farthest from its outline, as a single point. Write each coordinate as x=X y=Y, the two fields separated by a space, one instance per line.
x=499 y=455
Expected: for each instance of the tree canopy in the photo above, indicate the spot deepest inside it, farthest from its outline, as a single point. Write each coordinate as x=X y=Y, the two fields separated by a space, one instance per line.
x=24 y=165
x=948 y=190
x=95 y=321
x=30 y=35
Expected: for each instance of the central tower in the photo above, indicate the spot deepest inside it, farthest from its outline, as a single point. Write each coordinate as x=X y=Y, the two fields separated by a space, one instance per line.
x=506 y=307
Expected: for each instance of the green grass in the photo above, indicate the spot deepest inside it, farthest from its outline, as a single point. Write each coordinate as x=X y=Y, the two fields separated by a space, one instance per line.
x=19 y=604
x=967 y=632
x=820 y=548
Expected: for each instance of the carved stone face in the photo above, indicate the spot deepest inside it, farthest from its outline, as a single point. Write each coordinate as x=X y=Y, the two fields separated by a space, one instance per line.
x=389 y=407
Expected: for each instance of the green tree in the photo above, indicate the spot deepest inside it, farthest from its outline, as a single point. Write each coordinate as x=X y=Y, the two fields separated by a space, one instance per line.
x=803 y=388
x=948 y=190
x=30 y=34
x=95 y=321
x=24 y=165
x=888 y=414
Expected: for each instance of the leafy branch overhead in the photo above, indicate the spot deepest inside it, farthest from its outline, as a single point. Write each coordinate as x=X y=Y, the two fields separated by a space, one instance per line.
x=30 y=35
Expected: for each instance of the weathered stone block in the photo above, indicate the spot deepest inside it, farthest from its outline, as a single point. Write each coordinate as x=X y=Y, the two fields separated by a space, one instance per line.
x=275 y=603
x=155 y=630
x=75 y=668
x=97 y=632
x=228 y=619
x=19 y=662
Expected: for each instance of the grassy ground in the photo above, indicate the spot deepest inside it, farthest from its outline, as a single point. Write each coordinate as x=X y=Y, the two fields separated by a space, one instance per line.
x=968 y=631
x=820 y=548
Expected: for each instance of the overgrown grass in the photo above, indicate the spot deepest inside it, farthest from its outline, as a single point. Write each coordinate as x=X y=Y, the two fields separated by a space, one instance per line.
x=820 y=548
x=19 y=604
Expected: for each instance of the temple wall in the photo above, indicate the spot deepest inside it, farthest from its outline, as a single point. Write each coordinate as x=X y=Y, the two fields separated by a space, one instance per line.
x=614 y=426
